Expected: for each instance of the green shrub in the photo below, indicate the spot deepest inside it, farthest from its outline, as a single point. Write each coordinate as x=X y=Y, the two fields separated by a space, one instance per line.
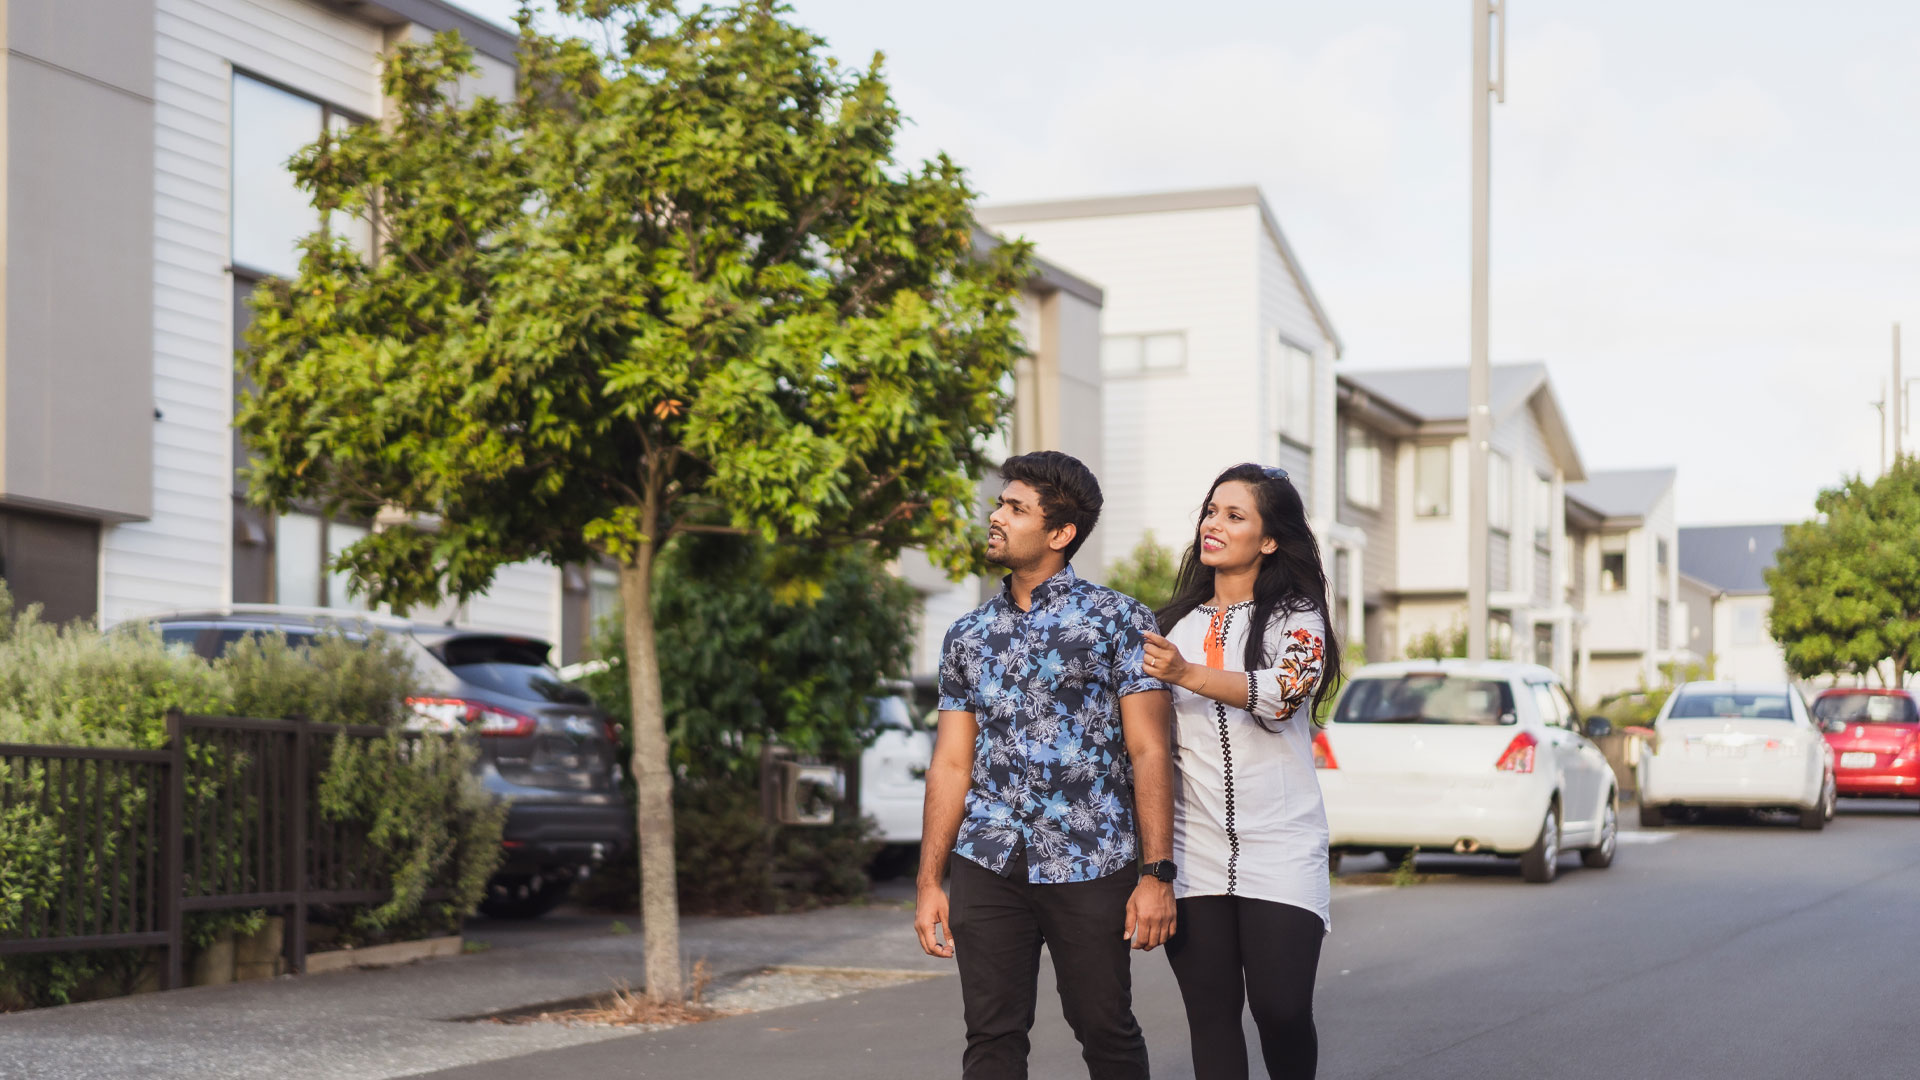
x=1147 y=574
x=423 y=809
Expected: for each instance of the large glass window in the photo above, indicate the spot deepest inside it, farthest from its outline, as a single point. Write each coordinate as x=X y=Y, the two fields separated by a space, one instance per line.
x=1290 y=390
x=1613 y=571
x=297 y=560
x=271 y=214
x=1363 y=467
x=1433 y=481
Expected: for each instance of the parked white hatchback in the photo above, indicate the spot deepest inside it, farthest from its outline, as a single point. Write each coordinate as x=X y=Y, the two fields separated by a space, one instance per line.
x=1750 y=745
x=1466 y=757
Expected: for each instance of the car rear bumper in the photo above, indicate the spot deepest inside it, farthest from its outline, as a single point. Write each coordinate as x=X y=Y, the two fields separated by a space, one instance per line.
x=542 y=836
x=1501 y=814
x=1878 y=782
x=1728 y=783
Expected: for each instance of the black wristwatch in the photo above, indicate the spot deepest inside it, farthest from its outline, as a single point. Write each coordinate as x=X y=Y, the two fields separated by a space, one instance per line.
x=1164 y=870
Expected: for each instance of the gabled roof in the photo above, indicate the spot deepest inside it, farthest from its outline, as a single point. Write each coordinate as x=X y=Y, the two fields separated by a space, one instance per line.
x=1161 y=202
x=1438 y=396
x=1624 y=493
x=1731 y=558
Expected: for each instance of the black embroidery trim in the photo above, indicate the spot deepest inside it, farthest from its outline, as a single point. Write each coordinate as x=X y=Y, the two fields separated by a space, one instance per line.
x=1253 y=693
x=1226 y=772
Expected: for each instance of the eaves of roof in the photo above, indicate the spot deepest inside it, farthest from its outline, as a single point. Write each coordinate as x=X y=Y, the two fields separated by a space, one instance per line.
x=436 y=15
x=1047 y=276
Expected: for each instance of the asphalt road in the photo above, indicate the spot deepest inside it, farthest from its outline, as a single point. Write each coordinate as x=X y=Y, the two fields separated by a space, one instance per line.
x=1732 y=949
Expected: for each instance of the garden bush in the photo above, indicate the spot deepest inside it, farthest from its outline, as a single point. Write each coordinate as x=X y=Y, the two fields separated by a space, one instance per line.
x=423 y=811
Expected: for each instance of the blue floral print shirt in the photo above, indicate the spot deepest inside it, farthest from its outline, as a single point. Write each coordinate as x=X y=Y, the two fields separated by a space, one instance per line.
x=1050 y=765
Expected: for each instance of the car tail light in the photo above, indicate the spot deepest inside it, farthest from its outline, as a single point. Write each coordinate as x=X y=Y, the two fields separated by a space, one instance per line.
x=613 y=732
x=1518 y=756
x=1323 y=752
x=448 y=714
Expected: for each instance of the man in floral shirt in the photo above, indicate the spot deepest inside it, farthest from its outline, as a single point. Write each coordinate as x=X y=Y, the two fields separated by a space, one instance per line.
x=1051 y=778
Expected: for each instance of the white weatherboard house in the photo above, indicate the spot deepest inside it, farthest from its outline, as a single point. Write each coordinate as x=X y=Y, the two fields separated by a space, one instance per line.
x=1723 y=582
x=1626 y=548
x=1215 y=351
x=1412 y=426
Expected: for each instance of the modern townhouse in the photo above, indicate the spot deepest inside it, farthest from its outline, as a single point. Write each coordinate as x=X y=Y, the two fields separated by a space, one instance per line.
x=1215 y=351
x=1404 y=486
x=1625 y=546
x=1724 y=588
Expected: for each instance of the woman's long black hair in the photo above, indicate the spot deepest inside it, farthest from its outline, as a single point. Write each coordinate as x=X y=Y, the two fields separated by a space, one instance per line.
x=1290 y=579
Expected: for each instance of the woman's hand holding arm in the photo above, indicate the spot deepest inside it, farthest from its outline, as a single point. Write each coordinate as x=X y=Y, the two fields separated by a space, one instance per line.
x=1165 y=663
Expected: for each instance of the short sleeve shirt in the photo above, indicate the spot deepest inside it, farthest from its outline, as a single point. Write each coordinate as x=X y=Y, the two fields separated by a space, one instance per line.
x=1050 y=767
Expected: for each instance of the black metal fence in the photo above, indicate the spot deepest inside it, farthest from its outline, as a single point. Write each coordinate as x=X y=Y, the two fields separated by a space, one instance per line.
x=224 y=818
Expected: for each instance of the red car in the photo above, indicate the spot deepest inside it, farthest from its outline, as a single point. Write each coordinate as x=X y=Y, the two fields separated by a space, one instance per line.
x=1875 y=735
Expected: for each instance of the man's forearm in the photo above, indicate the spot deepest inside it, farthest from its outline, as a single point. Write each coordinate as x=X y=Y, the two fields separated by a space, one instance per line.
x=940 y=823
x=1153 y=803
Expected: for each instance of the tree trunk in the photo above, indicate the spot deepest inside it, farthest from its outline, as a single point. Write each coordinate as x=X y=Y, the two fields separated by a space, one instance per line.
x=653 y=777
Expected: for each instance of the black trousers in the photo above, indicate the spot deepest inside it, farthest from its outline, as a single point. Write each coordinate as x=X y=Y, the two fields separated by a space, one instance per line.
x=998 y=925
x=1230 y=951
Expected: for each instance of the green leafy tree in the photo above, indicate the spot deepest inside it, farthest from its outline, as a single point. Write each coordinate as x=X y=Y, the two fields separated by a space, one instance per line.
x=678 y=285
x=1846 y=585
x=1147 y=573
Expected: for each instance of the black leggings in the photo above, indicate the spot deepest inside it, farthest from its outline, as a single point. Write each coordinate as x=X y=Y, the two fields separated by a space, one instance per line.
x=1229 y=950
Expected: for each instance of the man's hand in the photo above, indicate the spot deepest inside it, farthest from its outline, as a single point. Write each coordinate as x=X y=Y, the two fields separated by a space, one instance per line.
x=1150 y=914
x=930 y=911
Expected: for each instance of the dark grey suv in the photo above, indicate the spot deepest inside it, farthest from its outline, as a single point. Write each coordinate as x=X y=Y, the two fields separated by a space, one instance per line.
x=546 y=750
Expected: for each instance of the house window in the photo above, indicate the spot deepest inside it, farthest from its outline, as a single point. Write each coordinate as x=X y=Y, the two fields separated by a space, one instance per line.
x=1663 y=624
x=1290 y=390
x=305 y=546
x=1613 y=571
x=1660 y=553
x=1746 y=626
x=1542 y=512
x=1433 y=481
x=271 y=215
x=1135 y=354
x=1499 y=492
x=1363 y=468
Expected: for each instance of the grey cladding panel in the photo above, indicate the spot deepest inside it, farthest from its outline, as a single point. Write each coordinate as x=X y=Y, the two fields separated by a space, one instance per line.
x=79 y=297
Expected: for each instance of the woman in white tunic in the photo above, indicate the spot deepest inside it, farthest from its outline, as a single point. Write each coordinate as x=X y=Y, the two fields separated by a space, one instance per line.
x=1247 y=642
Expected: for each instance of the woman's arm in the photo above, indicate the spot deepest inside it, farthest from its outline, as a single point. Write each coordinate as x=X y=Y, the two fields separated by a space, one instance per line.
x=1270 y=693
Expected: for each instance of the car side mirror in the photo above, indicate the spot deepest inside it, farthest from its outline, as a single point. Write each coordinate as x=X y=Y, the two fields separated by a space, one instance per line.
x=1599 y=727
x=1833 y=727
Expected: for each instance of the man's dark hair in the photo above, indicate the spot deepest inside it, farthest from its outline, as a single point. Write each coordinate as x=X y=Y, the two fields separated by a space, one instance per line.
x=1069 y=495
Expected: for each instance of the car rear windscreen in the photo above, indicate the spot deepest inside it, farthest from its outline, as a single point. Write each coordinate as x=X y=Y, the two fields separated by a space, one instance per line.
x=507 y=665
x=1743 y=704
x=1426 y=699
x=1865 y=709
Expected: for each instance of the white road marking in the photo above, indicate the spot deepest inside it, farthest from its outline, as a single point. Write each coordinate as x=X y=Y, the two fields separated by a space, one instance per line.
x=1644 y=837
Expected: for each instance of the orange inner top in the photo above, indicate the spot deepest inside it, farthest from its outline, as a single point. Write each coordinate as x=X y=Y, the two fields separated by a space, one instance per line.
x=1217 y=640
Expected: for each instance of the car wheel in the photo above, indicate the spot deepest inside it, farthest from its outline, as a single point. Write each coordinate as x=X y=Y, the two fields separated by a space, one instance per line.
x=1815 y=817
x=1333 y=861
x=1541 y=863
x=517 y=900
x=1832 y=793
x=1600 y=856
x=1652 y=817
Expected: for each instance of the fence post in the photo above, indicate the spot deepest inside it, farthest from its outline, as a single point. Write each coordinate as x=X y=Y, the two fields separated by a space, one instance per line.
x=297 y=785
x=173 y=858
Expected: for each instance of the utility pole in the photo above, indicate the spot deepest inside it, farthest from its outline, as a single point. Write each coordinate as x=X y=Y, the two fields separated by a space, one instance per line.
x=1479 y=417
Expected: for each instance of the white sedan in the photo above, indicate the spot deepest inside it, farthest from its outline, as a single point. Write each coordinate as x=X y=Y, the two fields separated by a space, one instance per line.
x=1750 y=745
x=1470 y=758
x=893 y=772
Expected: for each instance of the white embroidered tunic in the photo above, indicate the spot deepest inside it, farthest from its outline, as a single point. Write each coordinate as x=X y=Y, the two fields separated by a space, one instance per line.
x=1248 y=819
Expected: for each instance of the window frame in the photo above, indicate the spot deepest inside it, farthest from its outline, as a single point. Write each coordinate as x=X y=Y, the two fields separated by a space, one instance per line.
x=328 y=111
x=1284 y=357
x=1445 y=508
x=1499 y=493
x=1543 y=512
x=1361 y=438
x=1141 y=369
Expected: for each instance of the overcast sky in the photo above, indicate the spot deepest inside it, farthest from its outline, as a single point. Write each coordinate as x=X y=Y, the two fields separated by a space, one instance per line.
x=1704 y=214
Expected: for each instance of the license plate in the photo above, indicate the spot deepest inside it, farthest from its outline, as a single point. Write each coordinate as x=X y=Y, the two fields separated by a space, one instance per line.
x=1724 y=750
x=1858 y=759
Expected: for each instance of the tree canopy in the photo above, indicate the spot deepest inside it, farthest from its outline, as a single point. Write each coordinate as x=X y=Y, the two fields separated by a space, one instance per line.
x=678 y=284
x=1846 y=585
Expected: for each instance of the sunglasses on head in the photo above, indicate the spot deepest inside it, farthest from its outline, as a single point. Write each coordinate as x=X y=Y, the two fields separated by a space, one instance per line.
x=1271 y=472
